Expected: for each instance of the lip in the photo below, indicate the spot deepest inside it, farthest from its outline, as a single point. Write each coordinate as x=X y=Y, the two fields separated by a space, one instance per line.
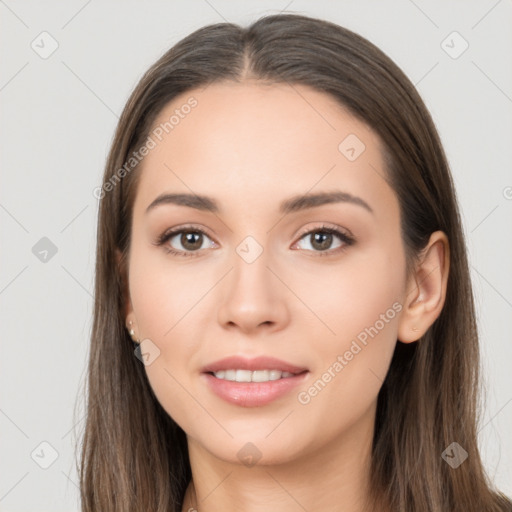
x=252 y=394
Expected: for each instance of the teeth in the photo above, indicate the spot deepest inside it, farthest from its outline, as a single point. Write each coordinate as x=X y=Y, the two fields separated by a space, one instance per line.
x=249 y=376
x=262 y=375
x=243 y=376
x=274 y=375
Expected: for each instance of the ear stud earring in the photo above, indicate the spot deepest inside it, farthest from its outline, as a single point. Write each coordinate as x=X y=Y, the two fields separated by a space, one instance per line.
x=131 y=331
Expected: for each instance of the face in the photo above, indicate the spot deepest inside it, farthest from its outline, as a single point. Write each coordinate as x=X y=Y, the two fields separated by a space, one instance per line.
x=316 y=286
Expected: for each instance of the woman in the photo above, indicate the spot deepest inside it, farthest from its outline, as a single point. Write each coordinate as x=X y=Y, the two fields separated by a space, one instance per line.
x=279 y=237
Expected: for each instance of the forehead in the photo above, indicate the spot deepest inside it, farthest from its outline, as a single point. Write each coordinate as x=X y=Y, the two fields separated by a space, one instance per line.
x=251 y=142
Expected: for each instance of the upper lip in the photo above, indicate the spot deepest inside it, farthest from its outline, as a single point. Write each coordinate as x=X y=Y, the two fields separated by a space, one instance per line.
x=257 y=363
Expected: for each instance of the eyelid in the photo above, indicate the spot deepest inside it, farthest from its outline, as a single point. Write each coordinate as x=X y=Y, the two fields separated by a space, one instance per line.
x=326 y=225
x=345 y=236
x=168 y=233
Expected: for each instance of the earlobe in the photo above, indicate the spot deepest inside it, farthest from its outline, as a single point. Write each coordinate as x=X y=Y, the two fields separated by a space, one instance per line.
x=123 y=278
x=426 y=291
x=127 y=313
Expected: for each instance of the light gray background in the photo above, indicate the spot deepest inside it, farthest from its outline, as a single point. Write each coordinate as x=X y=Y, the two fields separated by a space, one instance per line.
x=58 y=118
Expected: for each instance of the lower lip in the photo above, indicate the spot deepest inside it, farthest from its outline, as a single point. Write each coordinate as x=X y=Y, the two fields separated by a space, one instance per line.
x=252 y=394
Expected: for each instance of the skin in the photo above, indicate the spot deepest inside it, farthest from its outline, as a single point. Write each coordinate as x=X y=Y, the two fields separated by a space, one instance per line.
x=251 y=146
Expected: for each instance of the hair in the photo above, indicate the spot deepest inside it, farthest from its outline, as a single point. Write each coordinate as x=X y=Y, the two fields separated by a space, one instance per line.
x=134 y=456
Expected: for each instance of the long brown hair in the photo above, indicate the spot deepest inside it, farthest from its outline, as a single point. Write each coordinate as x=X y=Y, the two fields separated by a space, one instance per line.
x=134 y=456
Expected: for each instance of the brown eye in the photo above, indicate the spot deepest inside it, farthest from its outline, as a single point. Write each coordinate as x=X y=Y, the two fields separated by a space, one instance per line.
x=185 y=242
x=191 y=240
x=321 y=240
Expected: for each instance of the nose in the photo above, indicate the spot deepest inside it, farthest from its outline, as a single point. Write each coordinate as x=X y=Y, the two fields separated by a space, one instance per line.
x=253 y=298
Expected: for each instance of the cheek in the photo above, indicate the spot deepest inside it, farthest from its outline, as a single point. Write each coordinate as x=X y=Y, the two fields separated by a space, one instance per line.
x=362 y=310
x=354 y=295
x=169 y=311
x=160 y=309
x=165 y=295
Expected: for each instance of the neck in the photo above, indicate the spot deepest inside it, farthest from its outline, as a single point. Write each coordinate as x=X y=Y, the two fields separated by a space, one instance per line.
x=333 y=477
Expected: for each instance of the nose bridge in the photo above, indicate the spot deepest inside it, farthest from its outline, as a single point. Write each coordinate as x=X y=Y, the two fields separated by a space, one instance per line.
x=251 y=277
x=251 y=295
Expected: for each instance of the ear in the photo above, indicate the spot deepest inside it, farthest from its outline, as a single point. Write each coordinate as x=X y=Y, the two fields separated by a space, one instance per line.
x=127 y=308
x=426 y=289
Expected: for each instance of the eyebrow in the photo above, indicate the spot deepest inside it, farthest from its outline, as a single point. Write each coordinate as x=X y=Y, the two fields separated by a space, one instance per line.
x=291 y=205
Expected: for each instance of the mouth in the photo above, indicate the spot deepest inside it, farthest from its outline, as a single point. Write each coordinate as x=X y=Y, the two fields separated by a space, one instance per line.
x=252 y=382
x=239 y=375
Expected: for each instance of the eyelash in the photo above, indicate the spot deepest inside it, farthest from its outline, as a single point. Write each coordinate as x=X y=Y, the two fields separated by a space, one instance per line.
x=344 y=237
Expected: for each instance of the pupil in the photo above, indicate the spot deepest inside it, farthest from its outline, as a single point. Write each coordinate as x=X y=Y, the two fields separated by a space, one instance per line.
x=324 y=240
x=187 y=240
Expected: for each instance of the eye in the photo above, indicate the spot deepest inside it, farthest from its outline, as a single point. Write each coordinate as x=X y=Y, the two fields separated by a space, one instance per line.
x=194 y=239
x=321 y=239
x=191 y=240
